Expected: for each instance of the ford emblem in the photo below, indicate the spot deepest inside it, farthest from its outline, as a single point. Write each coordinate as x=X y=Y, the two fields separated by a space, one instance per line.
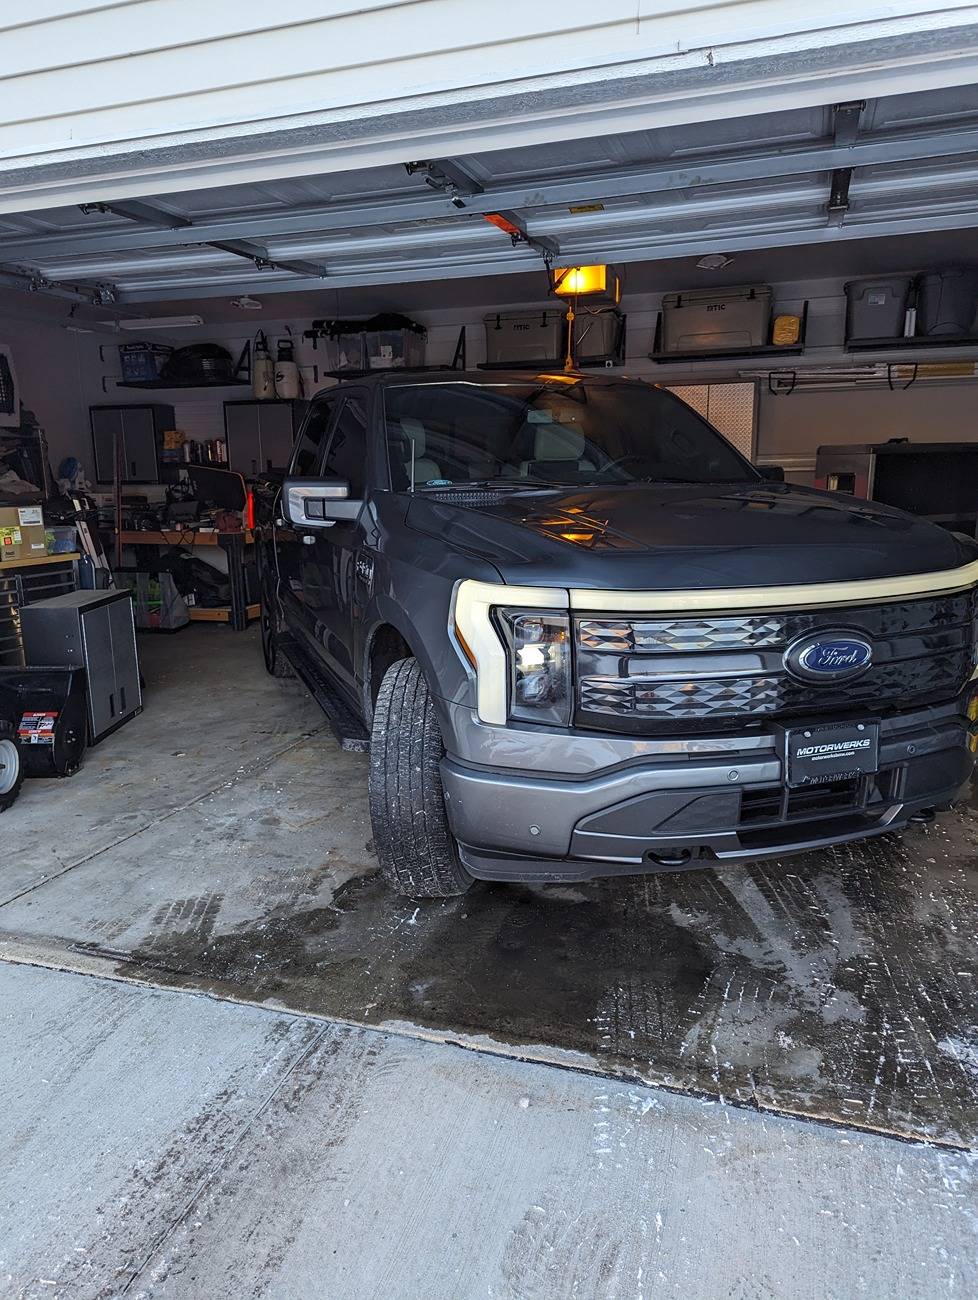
x=828 y=657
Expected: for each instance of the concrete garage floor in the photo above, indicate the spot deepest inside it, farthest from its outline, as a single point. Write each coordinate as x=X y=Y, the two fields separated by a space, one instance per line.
x=636 y=1121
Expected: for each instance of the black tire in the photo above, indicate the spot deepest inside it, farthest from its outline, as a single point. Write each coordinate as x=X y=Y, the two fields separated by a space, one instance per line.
x=416 y=849
x=11 y=768
x=276 y=664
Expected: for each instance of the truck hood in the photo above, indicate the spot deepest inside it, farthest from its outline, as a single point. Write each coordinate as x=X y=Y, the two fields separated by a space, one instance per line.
x=678 y=536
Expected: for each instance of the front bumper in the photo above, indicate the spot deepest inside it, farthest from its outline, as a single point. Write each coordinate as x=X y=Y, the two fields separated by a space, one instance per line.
x=683 y=810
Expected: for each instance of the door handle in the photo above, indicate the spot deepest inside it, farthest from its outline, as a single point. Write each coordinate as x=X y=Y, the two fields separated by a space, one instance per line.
x=308 y=539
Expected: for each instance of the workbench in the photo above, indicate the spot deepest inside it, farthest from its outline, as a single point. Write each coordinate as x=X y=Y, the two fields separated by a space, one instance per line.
x=24 y=581
x=234 y=545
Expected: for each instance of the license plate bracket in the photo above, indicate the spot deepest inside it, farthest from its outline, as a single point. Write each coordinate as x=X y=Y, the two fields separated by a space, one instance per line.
x=834 y=751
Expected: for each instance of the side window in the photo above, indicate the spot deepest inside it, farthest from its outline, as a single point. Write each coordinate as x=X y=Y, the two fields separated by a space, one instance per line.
x=346 y=456
x=312 y=438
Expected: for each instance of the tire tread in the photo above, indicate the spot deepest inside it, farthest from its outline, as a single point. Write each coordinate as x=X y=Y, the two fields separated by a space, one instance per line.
x=412 y=838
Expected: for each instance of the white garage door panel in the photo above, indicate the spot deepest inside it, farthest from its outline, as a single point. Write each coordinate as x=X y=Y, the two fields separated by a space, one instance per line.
x=225 y=51
x=154 y=68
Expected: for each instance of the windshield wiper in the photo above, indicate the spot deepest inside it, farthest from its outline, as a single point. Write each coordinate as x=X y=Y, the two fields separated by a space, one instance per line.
x=691 y=482
x=527 y=480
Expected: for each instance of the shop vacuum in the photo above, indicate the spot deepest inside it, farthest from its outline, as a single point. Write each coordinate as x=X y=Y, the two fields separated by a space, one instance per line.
x=48 y=708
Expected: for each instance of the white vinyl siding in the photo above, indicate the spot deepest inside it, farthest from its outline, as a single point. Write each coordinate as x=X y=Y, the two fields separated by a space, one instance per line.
x=95 y=81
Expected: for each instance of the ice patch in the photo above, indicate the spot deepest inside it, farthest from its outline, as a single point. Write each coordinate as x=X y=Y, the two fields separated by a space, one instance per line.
x=965 y=1053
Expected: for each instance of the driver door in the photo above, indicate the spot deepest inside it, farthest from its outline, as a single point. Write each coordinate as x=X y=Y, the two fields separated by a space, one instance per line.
x=328 y=562
x=290 y=540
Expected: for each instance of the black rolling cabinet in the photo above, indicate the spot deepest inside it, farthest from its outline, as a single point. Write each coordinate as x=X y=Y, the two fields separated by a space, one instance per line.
x=260 y=434
x=94 y=630
x=140 y=430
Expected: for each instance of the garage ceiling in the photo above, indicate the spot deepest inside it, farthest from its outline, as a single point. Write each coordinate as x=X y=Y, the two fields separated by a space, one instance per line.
x=895 y=166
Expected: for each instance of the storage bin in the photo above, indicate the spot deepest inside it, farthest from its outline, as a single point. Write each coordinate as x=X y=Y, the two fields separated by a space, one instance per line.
x=946 y=301
x=514 y=337
x=157 y=605
x=345 y=352
x=394 y=349
x=716 y=320
x=60 y=540
x=598 y=336
x=142 y=362
x=875 y=309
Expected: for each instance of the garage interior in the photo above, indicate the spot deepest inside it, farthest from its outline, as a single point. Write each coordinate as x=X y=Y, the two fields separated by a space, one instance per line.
x=714 y=1041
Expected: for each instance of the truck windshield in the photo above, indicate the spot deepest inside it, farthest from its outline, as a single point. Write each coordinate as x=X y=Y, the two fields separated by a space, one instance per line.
x=561 y=432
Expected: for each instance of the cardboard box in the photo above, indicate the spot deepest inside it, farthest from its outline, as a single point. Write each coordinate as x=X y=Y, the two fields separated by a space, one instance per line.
x=22 y=533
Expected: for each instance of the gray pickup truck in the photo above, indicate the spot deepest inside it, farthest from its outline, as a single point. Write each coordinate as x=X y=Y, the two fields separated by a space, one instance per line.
x=583 y=636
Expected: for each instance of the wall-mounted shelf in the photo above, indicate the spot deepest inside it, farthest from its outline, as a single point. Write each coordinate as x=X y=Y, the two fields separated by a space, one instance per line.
x=922 y=341
x=729 y=354
x=383 y=370
x=169 y=383
x=541 y=367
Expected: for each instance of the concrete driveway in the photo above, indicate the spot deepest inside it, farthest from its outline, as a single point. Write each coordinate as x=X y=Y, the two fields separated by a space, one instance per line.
x=232 y=1060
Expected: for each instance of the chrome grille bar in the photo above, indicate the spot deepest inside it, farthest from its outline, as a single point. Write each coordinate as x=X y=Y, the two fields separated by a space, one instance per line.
x=667 y=635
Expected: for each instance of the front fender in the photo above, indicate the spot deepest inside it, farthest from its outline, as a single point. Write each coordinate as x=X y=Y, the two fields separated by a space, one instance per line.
x=429 y=642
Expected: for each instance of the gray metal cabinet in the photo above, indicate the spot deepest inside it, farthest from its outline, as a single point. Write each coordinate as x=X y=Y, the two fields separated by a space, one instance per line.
x=140 y=431
x=260 y=435
x=94 y=630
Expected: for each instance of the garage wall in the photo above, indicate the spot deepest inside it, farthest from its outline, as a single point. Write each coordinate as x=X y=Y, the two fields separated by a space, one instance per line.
x=51 y=369
x=61 y=375
x=791 y=428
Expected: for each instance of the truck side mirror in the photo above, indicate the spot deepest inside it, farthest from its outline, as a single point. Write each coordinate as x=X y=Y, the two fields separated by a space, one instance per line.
x=772 y=473
x=318 y=502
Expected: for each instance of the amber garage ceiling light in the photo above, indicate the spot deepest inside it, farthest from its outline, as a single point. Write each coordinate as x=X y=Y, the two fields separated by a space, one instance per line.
x=600 y=283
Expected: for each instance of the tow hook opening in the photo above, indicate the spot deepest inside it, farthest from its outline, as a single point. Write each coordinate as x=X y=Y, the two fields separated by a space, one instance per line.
x=677 y=858
x=923 y=815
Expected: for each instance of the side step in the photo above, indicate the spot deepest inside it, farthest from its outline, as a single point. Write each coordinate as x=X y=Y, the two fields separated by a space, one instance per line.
x=343 y=722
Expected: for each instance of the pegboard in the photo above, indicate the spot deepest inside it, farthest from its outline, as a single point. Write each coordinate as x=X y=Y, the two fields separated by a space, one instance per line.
x=730 y=408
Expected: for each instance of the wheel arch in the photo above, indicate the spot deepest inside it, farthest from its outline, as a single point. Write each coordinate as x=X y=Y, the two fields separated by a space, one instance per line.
x=390 y=639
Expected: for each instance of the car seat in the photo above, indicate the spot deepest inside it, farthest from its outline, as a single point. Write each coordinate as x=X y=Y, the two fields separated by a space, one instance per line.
x=557 y=450
x=412 y=434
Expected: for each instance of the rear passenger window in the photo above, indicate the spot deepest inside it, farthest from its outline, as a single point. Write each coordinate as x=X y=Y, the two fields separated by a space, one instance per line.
x=347 y=454
x=309 y=448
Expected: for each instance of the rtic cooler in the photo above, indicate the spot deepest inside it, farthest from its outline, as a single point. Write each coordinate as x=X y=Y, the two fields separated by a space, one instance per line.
x=514 y=337
x=716 y=320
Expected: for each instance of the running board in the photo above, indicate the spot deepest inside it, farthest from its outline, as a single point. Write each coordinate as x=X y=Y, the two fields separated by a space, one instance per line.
x=343 y=722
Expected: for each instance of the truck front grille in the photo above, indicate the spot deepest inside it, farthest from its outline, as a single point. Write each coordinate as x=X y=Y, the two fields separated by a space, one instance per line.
x=736 y=633
x=638 y=696
x=648 y=674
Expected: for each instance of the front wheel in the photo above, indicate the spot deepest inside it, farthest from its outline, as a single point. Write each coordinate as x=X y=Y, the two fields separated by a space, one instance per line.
x=11 y=768
x=416 y=849
x=275 y=662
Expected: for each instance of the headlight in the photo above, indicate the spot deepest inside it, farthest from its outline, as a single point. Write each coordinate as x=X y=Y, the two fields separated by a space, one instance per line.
x=539 y=665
